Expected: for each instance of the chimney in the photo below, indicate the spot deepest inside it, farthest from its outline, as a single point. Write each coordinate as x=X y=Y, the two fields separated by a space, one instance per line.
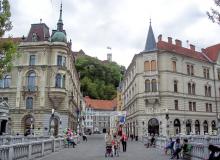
x=178 y=42
x=170 y=40
x=160 y=37
x=192 y=47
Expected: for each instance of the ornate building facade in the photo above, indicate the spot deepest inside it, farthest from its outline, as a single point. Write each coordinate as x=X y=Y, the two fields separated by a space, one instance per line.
x=169 y=89
x=43 y=88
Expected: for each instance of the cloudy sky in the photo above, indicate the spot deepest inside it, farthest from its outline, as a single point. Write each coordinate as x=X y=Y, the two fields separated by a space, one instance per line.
x=121 y=24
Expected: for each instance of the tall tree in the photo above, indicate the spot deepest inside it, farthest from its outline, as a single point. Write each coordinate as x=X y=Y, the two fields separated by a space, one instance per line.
x=7 y=46
x=214 y=14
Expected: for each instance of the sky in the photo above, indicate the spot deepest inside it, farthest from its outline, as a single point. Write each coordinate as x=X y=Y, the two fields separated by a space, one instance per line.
x=93 y=25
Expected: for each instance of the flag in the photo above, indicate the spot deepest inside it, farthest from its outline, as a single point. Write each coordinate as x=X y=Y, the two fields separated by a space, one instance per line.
x=109 y=47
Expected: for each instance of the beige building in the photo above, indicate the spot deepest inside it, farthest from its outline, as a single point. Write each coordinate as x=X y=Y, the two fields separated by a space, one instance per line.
x=170 y=89
x=43 y=88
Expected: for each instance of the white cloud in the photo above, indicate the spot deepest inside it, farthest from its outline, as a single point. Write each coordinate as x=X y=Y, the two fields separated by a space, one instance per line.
x=122 y=24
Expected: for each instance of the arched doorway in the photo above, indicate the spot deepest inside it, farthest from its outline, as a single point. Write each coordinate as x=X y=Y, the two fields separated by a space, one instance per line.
x=197 y=127
x=213 y=126
x=177 y=127
x=188 y=127
x=205 y=126
x=153 y=126
x=3 y=127
x=28 y=122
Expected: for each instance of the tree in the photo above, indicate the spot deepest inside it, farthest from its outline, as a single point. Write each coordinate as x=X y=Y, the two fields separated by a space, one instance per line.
x=214 y=15
x=7 y=46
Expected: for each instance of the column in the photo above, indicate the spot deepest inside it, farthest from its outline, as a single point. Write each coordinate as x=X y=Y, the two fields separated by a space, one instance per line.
x=193 y=127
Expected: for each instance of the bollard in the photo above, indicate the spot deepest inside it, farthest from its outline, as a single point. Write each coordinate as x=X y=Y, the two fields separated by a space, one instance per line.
x=42 y=148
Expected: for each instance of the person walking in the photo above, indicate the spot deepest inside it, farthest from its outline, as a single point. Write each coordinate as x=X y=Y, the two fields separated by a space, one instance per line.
x=124 y=142
x=177 y=149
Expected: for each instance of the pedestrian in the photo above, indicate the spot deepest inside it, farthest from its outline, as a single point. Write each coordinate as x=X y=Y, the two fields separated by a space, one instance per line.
x=124 y=141
x=215 y=152
x=177 y=149
x=169 y=146
x=152 y=141
x=84 y=137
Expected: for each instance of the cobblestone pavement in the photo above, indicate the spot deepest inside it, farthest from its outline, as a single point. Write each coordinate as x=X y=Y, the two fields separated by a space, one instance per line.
x=94 y=149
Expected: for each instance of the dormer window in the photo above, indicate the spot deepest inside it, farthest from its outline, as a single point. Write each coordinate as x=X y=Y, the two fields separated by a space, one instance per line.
x=34 y=37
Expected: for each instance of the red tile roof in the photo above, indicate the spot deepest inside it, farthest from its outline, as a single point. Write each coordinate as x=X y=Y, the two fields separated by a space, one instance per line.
x=96 y=104
x=180 y=50
x=212 y=52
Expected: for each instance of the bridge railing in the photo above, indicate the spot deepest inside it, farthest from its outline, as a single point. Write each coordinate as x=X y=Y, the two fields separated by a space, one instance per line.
x=199 y=144
x=31 y=150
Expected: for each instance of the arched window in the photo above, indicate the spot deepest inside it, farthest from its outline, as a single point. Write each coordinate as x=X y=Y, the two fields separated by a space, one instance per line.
x=213 y=126
x=153 y=65
x=188 y=127
x=209 y=91
x=7 y=81
x=193 y=88
x=205 y=126
x=58 y=82
x=29 y=103
x=154 y=85
x=147 y=85
x=189 y=88
x=177 y=126
x=31 y=81
x=146 y=66
x=197 y=127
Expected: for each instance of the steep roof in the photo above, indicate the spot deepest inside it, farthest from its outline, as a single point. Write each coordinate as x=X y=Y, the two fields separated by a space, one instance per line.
x=108 y=105
x=41 y=32
x=178 y=49
x=212 y=52
x=150 y=42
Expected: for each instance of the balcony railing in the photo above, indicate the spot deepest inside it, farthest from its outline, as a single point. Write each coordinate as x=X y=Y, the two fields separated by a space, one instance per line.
x=30 y=88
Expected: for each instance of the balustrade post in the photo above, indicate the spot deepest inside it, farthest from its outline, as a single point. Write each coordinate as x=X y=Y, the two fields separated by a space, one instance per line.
x=53 y=145
x=42 y=148
x=11 y=153
x=60 y=143
x=206 y=145
x=29 y=150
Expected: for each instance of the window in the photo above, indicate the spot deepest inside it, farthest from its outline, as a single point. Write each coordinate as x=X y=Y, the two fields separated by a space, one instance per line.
x=193 y=88
x=176 y=104
x=7 y=81
x=189 y=88
x=207 y=107
x=32 y=60
x=206 y=91
x=190 y=106
x=29 y=103
x=154 y=85
x=190 y=69
x=175 y=86
x=31 y=81
x=218 y=74
x=153 y=65
x=147 y=85
x=206 y=73
x=194 y=106
x=2 y=84
x=210 y=107
x=58 y=81
x=59 y=60
x=209 y=91
x=174 y=66
x=146 y=66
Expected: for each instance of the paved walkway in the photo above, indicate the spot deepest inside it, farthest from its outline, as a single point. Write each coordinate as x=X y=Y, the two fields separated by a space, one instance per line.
x=94 y=150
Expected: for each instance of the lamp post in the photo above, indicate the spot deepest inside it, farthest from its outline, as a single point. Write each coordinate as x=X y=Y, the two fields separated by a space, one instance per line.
x=167 y=126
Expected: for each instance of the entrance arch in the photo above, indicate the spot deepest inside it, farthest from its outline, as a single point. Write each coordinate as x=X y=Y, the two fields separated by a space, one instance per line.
x=28 y=122
x=177 y=126
x=197 y=127
x=54 y=126
x=188 y=127
x=153 y=126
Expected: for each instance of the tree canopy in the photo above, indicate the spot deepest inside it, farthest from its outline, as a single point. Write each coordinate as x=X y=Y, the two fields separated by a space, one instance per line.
x=214 y=14
x=98 y=79
x=7 y=46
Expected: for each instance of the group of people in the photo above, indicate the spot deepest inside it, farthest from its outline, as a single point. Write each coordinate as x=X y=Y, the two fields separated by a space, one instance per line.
x=112 y=143
x=69 y=135
x=176 y=147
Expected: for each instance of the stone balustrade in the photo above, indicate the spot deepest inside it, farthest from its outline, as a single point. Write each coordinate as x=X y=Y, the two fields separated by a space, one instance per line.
x=6 y=140
x=31 y=150
x=199 y=144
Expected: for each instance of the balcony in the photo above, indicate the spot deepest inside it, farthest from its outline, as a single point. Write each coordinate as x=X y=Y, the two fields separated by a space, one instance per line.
x=30 y=90
x=57 y=95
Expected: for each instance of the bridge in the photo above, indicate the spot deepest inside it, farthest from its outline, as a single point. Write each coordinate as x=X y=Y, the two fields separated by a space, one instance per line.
x=94 y=149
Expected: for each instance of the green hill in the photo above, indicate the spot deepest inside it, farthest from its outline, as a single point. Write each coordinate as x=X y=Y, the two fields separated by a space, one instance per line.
x=99 y=79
